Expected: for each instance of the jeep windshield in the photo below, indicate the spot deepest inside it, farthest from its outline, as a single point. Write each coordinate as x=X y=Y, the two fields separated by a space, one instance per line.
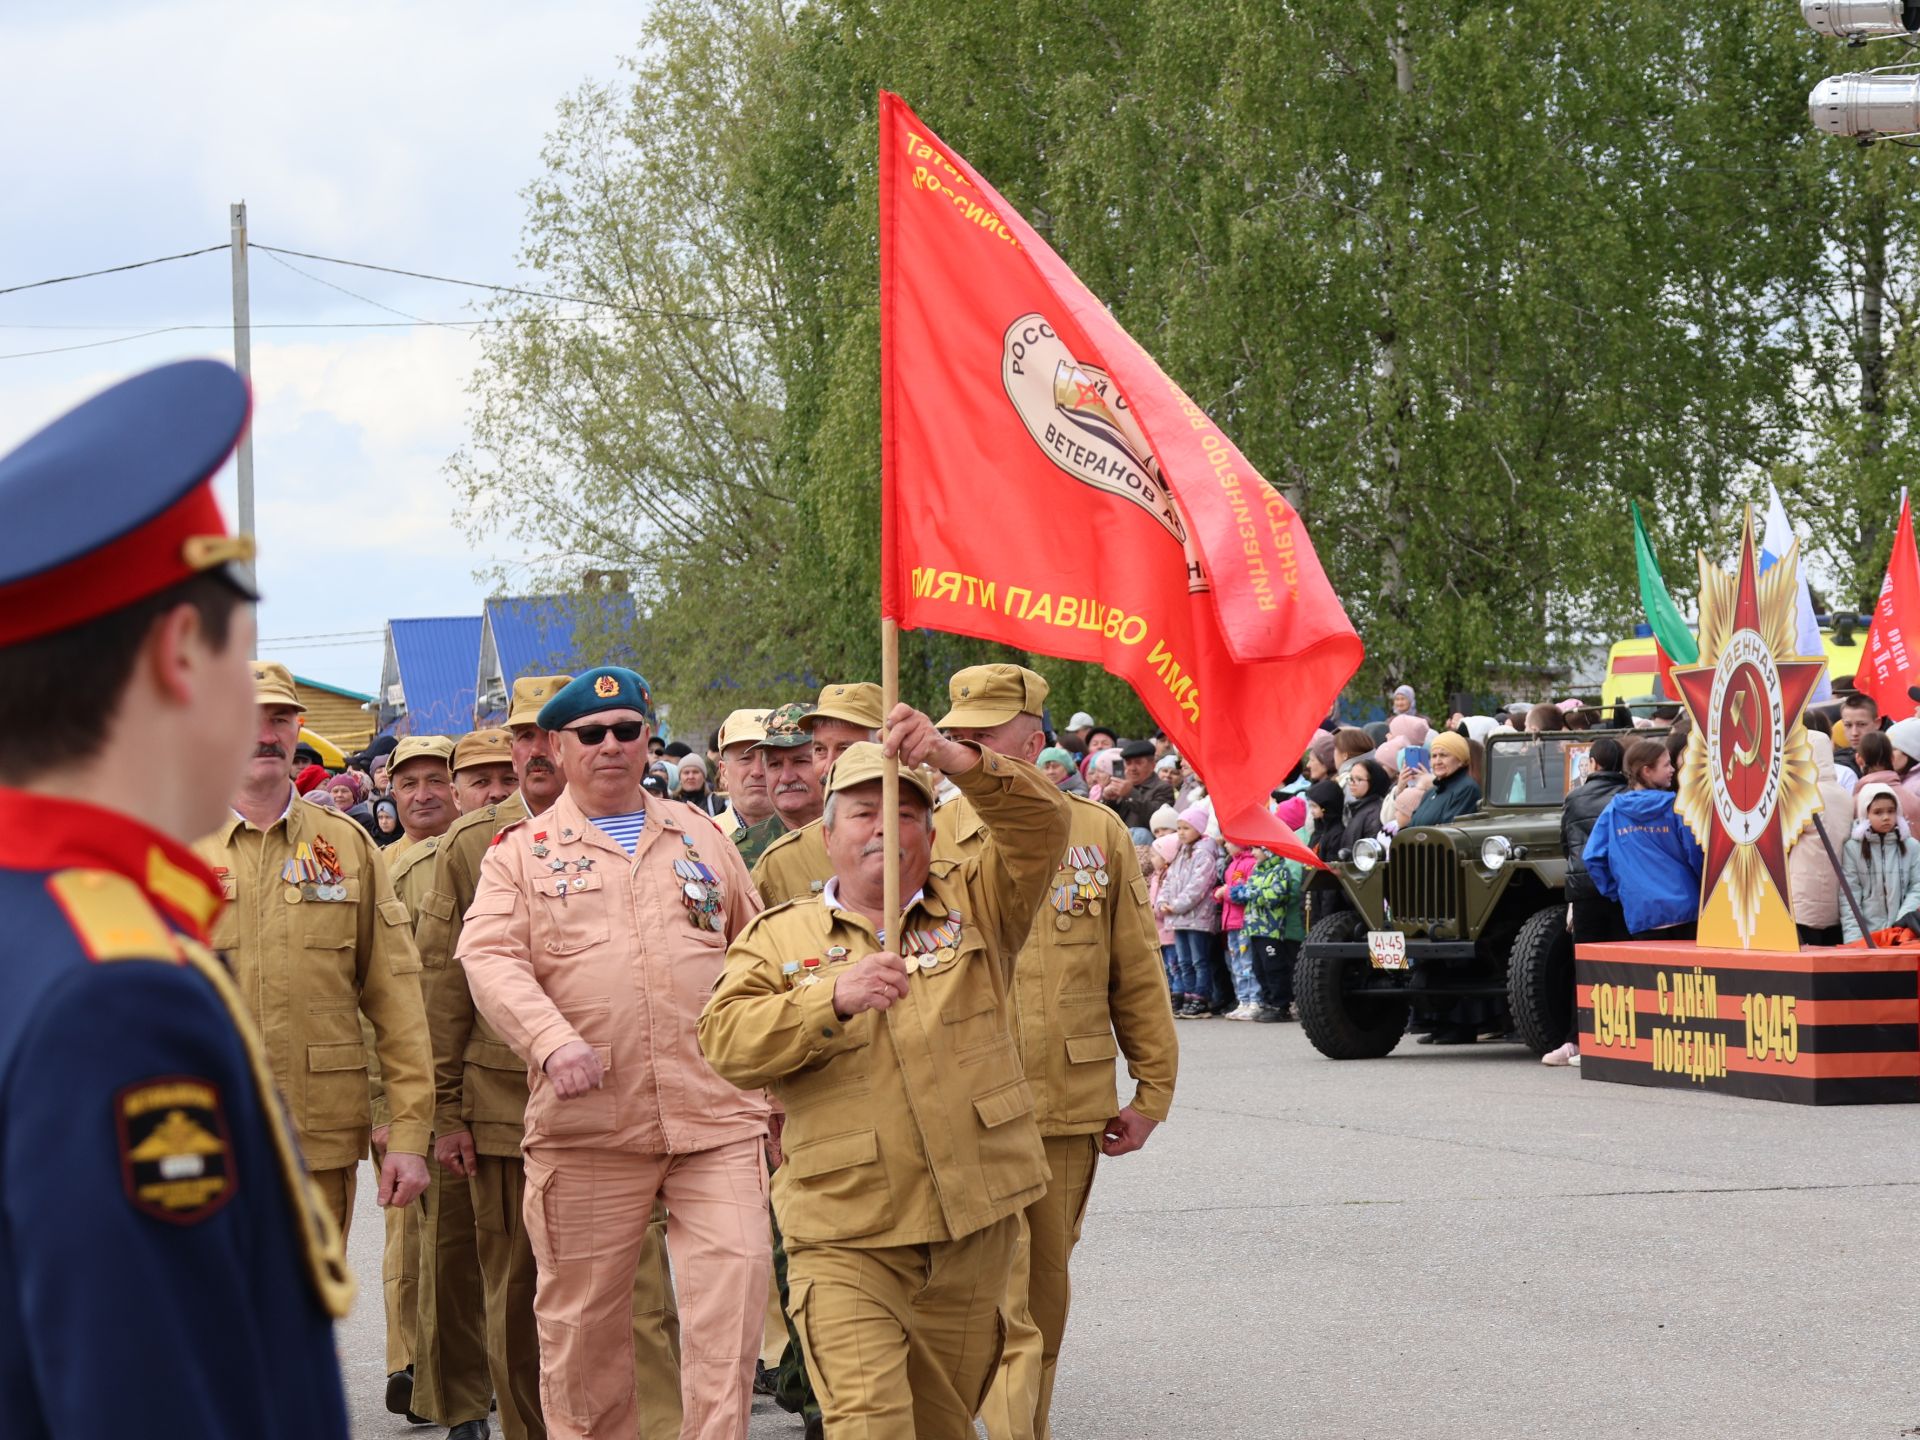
x=1536 y=770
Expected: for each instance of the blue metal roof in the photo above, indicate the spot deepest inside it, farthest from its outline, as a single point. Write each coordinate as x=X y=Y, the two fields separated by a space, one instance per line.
x=543 y=634
x=438 y=660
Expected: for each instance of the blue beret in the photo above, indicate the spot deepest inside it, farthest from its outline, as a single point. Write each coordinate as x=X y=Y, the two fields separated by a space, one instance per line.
x=611 y=687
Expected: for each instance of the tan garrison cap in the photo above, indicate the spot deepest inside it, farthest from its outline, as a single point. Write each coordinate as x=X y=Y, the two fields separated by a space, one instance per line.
x=982 y=696
x=420 y=747
x=857 y=704
x=483 y=747
x=743 y=727
x=865 y=762
x=783 y=728
x=273 y=685
x=530 y=692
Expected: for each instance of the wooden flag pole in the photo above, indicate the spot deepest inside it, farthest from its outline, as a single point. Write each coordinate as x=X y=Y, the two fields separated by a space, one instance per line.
x=890 y=782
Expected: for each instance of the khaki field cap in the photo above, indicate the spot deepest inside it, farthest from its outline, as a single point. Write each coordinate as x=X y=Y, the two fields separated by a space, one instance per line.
x=530 y=692
x=857 y=704
x=983 y=696
x=483 y=747
x=420 y=747
x=743 y=727
x=273 y=685
x=864 y=763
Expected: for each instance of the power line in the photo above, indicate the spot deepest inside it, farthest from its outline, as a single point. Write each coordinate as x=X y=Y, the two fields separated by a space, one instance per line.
x=322 y=635
x=113 y=269
x=96 y=344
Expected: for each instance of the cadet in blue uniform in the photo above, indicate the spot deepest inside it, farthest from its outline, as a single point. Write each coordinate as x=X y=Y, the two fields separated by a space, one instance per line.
x=166 y=1268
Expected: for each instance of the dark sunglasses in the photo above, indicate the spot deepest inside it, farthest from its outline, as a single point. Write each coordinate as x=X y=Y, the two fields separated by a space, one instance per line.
x=626 y=732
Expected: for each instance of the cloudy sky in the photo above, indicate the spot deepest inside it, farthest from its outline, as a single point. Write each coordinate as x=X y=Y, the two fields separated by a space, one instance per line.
x=400 y=134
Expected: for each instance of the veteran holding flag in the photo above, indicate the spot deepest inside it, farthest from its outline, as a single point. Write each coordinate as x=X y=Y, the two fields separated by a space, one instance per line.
x=910 y=1141
x=597 y=932
x=1090 y=974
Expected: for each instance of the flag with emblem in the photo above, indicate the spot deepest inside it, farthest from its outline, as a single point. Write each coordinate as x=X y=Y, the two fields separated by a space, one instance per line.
x=1046 y=485
x=1892 y=662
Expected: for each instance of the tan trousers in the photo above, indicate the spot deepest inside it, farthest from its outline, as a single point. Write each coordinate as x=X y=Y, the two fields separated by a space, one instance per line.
x=336 y=1188
x=1038 y=1293
x=587 y=1216
x=902 y=1341
x=400 y=1284
x=507 y=1270
x=449 y=1351
x=773 y=1336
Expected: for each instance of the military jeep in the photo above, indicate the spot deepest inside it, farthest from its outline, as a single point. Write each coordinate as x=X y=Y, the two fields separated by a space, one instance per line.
x=1462 y=923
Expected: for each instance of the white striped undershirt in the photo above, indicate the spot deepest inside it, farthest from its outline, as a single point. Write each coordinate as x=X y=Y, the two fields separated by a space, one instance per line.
x=623 y=830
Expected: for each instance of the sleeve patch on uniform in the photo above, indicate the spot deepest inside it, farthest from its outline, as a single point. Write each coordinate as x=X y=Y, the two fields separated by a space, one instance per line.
x=176 y=1160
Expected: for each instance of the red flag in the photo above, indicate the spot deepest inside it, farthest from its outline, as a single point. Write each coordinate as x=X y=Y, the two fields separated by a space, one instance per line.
x=1044 y=484
x=1892 y=661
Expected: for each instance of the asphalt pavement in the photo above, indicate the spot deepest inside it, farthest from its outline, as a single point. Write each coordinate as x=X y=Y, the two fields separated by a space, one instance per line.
x=1459 y=1243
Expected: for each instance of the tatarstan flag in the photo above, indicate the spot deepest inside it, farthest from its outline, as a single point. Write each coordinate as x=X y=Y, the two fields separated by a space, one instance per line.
x=1673 y=638
x=1044 y=484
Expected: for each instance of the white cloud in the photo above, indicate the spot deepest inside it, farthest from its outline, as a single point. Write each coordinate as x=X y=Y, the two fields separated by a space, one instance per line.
x=396 y=134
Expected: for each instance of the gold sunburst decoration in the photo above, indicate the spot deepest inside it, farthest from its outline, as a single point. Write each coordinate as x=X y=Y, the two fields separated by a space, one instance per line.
x=1748 y=783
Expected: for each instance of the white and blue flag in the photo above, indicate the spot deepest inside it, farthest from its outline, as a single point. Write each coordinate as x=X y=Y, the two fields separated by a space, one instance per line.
x=1773 y=549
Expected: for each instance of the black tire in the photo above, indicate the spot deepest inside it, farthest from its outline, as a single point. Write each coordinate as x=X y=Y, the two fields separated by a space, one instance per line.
x=1540 y=980
x=1341 y=1027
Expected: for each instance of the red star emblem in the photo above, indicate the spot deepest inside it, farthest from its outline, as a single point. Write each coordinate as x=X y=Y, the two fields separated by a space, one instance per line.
x=1089 y=393
x=1749 y=747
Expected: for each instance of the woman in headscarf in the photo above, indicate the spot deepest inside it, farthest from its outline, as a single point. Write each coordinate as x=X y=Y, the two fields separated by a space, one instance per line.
x=351 y=792
x=386 y=822
x=1446 y=791
x=1057 y=765
x=691 y=772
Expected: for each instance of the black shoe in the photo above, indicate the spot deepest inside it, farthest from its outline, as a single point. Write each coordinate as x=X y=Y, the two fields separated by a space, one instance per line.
x=1267 y=1014
x=1456 y=1035
x=763 y=1379
x=816 y=1429
x=400 y=1393
x=470 y=1430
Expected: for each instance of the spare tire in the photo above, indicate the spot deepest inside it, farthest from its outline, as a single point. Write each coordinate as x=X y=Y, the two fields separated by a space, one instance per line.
x=1341 y=1026
x=1540 y=980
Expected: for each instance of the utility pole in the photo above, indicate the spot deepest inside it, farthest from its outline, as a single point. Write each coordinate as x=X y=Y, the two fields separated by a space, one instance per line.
x=242 y=355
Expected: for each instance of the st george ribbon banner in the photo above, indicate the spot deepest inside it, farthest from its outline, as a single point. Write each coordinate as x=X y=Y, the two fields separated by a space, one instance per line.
x=1045 y=485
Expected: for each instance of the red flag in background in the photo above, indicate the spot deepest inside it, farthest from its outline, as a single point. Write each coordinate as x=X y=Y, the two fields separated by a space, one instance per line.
x=1046 y=485
x=1892 y=661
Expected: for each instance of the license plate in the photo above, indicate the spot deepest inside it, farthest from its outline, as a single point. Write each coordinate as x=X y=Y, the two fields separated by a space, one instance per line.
x=1387 y=949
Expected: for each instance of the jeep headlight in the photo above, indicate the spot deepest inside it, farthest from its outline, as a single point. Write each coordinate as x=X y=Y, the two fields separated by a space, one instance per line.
x=1367 y=854
x=1495 y=851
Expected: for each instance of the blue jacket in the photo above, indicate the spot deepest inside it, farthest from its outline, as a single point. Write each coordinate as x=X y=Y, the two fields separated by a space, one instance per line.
x=1643 y=856
x=154 y=1274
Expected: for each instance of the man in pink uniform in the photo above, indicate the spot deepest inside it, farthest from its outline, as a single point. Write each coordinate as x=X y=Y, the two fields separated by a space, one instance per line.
x=594 y=938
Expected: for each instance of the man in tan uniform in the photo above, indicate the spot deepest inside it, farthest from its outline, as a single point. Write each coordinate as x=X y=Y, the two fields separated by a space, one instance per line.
x=796 y=864
x=480 y=1104
x=315 y=939
x=749 y=820
x=593 y=939
x=451 y=1380
x=483 y=772
x=423 y=800
x=910 y=1142
x=1090 y=971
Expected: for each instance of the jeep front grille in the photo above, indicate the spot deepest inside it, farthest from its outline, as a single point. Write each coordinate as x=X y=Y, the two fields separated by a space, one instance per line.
x=1423 y=881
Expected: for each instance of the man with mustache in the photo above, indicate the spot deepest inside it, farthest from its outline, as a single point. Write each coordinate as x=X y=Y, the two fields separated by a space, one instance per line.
x=480 y=1101
x=796 y=864
x=792 y=782
x=423 y=793
x=316 y=938
x=592 y=937
x=165 y=1263
x=910 y=1141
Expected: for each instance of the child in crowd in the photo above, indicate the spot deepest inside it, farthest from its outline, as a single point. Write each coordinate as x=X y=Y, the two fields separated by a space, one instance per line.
x=1232 y=895
x=1186 y=900
x=1275 y=925
x=1882 y=862
x=1163 y=849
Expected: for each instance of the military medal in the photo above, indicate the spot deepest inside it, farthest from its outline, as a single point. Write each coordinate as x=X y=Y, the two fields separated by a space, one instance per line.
x=836 y=952
x=700 y=890
x=789 y=969
x=810 y=968
x=929 y=949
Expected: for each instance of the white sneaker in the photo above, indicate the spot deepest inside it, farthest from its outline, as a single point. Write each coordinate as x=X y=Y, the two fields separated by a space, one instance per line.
x=1245 y=1012
x=1567 y=1054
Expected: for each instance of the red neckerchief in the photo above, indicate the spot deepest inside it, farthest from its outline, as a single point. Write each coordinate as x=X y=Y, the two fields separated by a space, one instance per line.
x=40 y=832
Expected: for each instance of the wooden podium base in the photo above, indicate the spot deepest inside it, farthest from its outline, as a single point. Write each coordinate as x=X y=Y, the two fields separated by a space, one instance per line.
x=1820 y=1027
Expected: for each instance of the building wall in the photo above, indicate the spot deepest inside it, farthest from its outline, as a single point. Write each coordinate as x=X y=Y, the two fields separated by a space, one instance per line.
x=337 y=717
